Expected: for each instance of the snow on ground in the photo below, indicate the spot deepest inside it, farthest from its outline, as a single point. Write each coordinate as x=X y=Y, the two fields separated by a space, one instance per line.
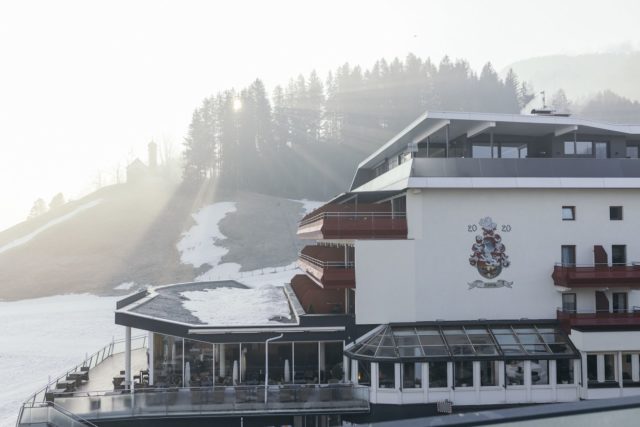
x=24 y=239
x=197 y=246
x=236 y=306
x=46 y=336
x=125 y=286
x=309 y=205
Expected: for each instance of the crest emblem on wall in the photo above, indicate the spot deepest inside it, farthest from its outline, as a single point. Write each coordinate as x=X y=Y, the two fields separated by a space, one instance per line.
x=489 y=255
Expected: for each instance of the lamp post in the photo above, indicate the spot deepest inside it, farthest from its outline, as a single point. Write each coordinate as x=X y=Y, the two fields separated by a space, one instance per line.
x=266 y=364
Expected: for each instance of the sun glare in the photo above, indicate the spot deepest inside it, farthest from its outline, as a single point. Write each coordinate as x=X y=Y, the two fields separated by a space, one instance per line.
x=237 y=105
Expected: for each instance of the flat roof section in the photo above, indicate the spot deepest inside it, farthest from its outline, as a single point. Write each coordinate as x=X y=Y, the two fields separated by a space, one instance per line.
x=216 y=304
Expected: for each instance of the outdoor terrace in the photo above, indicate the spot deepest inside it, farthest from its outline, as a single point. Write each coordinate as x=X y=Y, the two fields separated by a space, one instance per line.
x=571 y=319
x=354 y=221
x=328 y=266
x=597 y=275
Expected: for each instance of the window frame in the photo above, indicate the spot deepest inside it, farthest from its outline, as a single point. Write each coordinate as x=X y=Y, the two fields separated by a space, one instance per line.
x=572 y=210
x=613 y=250
x=612 y=216
x=575 y=302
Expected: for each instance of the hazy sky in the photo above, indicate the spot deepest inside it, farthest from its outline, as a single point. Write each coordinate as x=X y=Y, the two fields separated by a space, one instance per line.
x=84 y=85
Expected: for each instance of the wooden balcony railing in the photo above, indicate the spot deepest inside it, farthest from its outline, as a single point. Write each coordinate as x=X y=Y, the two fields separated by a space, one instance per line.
x=354 y=225
x=601 y=319
x=597 y=275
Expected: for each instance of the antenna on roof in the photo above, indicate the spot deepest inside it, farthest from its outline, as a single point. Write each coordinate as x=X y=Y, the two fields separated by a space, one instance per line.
x=546 y=111
x=544 y=100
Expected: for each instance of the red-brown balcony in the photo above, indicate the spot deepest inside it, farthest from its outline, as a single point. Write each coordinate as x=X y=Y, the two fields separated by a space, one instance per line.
x=595 y=320
x=597 y=275
x=314 y=299
x=362 y=221
x=327 y=266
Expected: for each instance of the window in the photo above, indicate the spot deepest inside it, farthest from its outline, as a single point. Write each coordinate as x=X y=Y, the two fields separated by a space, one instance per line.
x=592 y=367
x=578 y=148
x=514 y=372
x=568 y=253
x=619 y=254
x=632 y=151
x=615 y=213
x=569 y=303
x=463 y=373
x=564 y=371
x=386 y=375
x=539 y=372
x=602 y=150
x=568 y=213
x=630 y=369
x=364 y=373
x=489 y=373
x=437 y=374
x=412 y=375
x=610 y=373
x=620 y=302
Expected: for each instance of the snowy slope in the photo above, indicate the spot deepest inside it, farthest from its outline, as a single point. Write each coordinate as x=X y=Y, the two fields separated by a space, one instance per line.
x=46 y=336
x=24 y=239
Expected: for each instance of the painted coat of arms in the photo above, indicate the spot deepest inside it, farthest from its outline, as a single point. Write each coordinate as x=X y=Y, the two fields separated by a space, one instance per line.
x=489 y=256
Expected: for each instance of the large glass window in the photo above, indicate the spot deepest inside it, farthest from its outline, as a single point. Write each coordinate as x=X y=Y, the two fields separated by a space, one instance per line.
x=252 y=363
x=615 y=213
x=412 y=375
x=514 y=370
x=364 y=373
x=630 y=369
x=331 y=370
x=602 y=150
x=437 y=374
x=386 y=375
x=463 y=373
x=306 y=363
x=632 y=151
x=610 y=373
x=227 y=364
x=280 y=363
x=592 y=367
x=167 y=361
x=489 y=370
x=564 y=371
x=198 y=366
x=578 y=148
x=539 y=372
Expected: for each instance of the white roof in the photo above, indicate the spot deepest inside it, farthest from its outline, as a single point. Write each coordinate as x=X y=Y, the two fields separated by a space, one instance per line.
x=432 y=122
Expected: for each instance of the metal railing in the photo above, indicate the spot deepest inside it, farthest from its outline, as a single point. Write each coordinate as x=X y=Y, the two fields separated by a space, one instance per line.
x=354 y=215
x=327 y=264
x=51 y=414
x=90 y=362
x=334 y=398
x=633 y=311
x=635 y=265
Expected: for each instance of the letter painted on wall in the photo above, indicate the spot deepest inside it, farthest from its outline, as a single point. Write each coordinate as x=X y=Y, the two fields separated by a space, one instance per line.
x=489 y=255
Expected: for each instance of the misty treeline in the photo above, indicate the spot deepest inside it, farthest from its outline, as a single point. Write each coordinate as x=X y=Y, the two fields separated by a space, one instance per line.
x=40 y=206
x=304 y=139
x=606 y=106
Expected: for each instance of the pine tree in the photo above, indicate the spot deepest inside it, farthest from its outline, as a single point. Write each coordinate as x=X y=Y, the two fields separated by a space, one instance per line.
x=57 y=201
x=39 y=207
x=560 y=102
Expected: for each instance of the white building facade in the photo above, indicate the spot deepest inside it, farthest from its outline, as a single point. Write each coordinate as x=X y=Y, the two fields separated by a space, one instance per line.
x=495 y=258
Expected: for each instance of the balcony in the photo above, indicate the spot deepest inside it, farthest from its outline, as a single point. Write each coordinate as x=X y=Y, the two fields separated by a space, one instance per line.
x=327 y=267
x=210 y=401
x=594 y=320
x=315 y=300
x=597 y=275
x=368 y=221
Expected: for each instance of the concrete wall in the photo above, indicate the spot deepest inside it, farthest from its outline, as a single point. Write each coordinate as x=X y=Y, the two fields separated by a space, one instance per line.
x=426 y=277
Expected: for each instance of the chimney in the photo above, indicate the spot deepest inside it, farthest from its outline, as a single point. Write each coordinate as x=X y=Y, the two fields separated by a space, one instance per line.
x=153 y=155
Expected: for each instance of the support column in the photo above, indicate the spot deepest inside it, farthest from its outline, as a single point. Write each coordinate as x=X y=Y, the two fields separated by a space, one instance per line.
x=150 y=357
x=446 y=147
x=635 y=367
x=127 y=359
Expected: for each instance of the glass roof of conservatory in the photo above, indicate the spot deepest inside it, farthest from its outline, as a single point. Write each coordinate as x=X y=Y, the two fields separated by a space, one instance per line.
x=443 y=342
